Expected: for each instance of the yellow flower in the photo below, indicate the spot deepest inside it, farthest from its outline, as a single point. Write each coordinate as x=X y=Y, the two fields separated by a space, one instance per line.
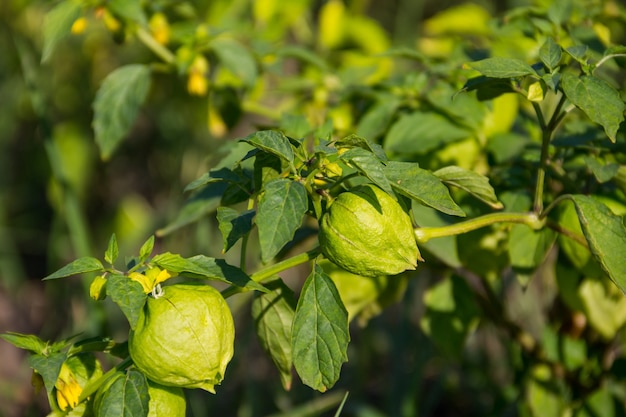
x=160 y=28
x=151 y=278
x=79 y=26
x=68 y=389
x=197 y=83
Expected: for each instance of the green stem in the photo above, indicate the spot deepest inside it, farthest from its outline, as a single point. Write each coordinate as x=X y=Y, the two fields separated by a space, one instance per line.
x=274 y=269
x=162 y=52
x=424 y=234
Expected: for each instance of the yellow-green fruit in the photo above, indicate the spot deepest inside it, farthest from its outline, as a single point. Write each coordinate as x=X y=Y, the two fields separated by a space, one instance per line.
x=166 y=401
x=366 y=232
x=184 y=338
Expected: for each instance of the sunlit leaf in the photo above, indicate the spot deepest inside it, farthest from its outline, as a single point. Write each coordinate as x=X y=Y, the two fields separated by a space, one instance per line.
x=128 y=294
x=271 y=141
x=112 y=252
x=79 y=266
x=472 y=182
x=369 y=165
x=498 y=67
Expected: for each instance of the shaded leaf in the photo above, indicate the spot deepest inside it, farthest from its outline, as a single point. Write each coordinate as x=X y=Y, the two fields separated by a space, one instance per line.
x=48 y=366
x=128 y=295
x=233 y=225
x=409 y=179
x=603 y=173
x=606 y=234
x=280 y=213
x=57 y=24
x=236 y=58
x=272 y=141
x=472 y=182
x=79 y=266
x=376 y=120
x=117 y=103
x=355 y=141
x=498 y=67
x=597 y=99
x=213 y=176
x=273 y=315
x=126 y=396
x=528 y=248
x=219 y=270
x=320 y=333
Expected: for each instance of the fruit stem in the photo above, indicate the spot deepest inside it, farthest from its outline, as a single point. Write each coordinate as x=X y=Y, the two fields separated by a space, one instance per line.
x=424 y=234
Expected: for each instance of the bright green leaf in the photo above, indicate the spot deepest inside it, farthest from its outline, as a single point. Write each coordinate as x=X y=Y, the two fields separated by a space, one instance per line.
x=597 y=99
x=28 y=342
x=409 y=179
x=498 y=67
x=355 y=141
x=79 y=266
x=550 y=54
x=471 y=182
x=146 y=249
x=233 y=225
x=272 y=141
x=219 y=270
x=606 y=234
x=528 y=248
x=57 y=24
x=320 y=334
x=273 y=315
x=280 y=213
x=112 y=252
x=117 y=103
x=543 y=395
x=128 y=295
x=606 y=313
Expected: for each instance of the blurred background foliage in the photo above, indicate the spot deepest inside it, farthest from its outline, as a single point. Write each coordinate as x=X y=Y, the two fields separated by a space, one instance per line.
x=222 y=69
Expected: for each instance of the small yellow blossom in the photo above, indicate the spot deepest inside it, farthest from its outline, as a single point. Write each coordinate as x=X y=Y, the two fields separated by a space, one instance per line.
x=197 y=83
x=151 y=278
x=160 y=28
x=79 y=26
x=68 y=389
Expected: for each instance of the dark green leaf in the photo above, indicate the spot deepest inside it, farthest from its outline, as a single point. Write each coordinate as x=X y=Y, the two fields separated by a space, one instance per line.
x=273 y=315
x=603 y=173
x=48 y=366
x=502 y=67
x=451 y=314
x=127 y=396
x=550 y=54
x=112 y=252
x=419 y=133
x=117 y=103
x=129 y=10
x=28 y=342
x=578 y=52
x=233 y=225
x=146 y=249
x=369 y=165
x=488 y=88
x=79 y=266
x=128 y=295
x=354 y=141
x=57 y=24
x=409 y=179
x=597 y=99
x=200 y=204
x=272 y=141
x=606 y=234
x=237 y=59
x=213 y=176
x=472 y=182
x=219 y=270
x=267 y=167
x=280 y=213
x=320 y=333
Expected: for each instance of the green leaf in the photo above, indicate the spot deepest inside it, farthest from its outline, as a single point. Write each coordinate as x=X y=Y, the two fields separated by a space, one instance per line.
x=57 y=24
x=550 y=54
x=267 y=167
x=213 y=176
x=280 y=213
x=48 y=366
x=219 y=270
x=498 y=67
x=419 y=133
x=126 y=396
x=320 y=333
x=237 y=59
x=606 y=234
x=471 y=182
x=409 y=179
x=605 y=312
x=543 y=395
x=129 y=10
x=128 y=295
x=600 y=403
x=272 y=141
x=273 y=315
x=199 y=205
x=354 y=141
x=369 y=165
x=117 y=103
x=597 y=99
x=28 y=342
x=376 y=120
x=602 y=172
x=528 y=248
x=451 y=314
x=146 y=248
x=295 y=125
x=112 y=252
x=79 y=266
x=233 y=225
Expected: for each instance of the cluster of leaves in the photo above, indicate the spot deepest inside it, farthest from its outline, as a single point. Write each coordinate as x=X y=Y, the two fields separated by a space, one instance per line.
x=535 y=130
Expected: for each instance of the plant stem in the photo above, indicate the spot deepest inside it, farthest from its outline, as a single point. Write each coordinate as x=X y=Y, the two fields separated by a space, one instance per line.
x=424 y=234
x=274 y=269
x=162 y=52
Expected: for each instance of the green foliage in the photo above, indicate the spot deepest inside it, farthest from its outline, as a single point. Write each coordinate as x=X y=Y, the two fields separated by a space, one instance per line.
x=501 y=135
